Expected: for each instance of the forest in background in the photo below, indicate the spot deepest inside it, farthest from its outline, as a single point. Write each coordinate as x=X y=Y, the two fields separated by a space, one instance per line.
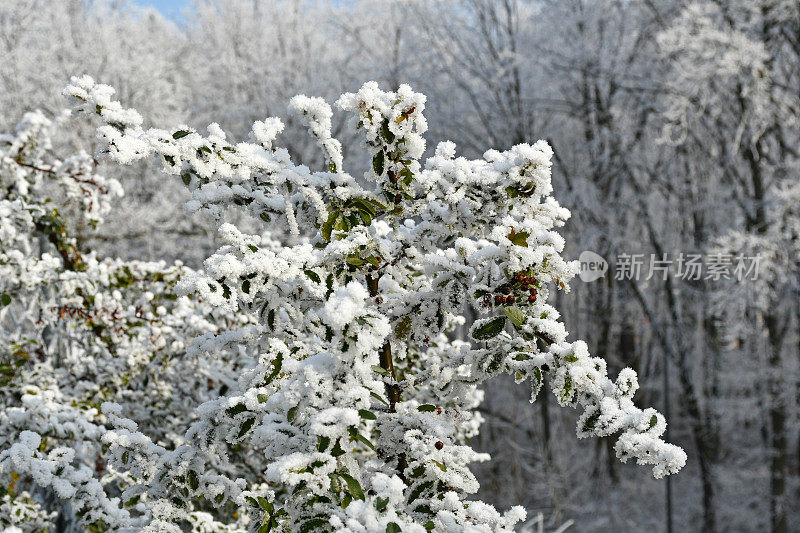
x=674 y=127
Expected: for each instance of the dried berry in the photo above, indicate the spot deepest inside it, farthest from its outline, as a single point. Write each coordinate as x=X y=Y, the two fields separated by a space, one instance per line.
x=439 y=445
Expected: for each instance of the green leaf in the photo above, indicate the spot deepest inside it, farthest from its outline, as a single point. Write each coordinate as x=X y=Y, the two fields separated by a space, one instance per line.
x=429 y=525
x=403 y=327
x=327 y=227
x=347 y=500
x=653 y=421
x=246 y=286
x=376 y=203
x=419 y=490
x=313 y=525
x=566 y=393
x=381 y=503
x=353 y=486
x=377 y=397
x=276 y=368
x=252 y=248
x=378 y=161
x=367 y=415
x=264 y=504
x=180 y=134
x=236 y=409
x=337 y=450
x=355 y=435
x=313 y=276
x=489 y=329
x=391 y=527
x=387 y=134
x=426 y=408
x=5 y=299
x=515 y=315
x=194 y=482
x=246 y=427
x=381 y=370
x=187 y=178
x=322 y=443
x=365 y=205
x=536 y=383
x=329 y=285
x=520 y=239
x=292 y=413
x=591 y=421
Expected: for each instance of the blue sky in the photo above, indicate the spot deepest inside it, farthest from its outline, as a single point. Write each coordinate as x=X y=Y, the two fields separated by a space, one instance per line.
x=168 y=7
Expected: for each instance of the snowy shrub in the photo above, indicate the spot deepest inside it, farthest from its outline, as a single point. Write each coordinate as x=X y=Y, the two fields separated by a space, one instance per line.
x=348 y=402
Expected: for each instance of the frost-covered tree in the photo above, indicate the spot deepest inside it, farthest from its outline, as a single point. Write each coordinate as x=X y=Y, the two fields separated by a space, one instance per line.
x=731 y=111
x=357 y=411
x=77 y=329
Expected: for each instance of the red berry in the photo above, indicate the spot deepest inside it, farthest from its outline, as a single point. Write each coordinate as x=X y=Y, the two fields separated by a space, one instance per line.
x=505 y=289
x=439 y=445
x=379 y=300
x=531 y=298
x=510 y=299
x=498 y=299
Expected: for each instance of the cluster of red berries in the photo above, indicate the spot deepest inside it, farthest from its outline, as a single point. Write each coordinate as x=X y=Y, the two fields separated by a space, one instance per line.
x=524 y=286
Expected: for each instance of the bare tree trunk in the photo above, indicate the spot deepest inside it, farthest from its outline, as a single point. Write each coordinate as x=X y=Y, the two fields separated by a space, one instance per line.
x=777 y=417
